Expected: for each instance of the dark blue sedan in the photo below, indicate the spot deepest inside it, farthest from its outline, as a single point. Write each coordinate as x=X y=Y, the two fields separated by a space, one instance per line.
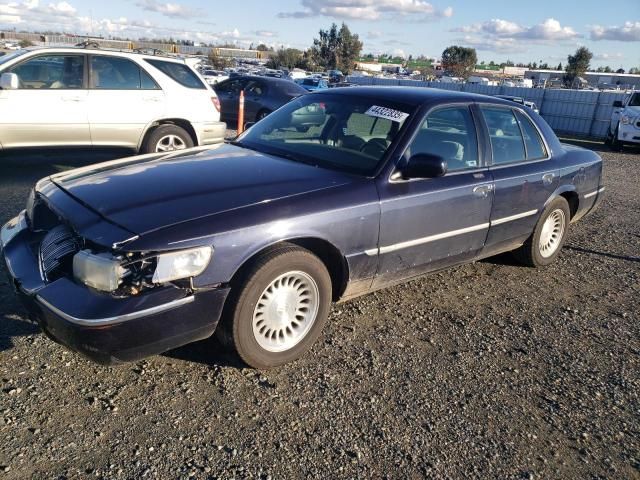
x=254 y=239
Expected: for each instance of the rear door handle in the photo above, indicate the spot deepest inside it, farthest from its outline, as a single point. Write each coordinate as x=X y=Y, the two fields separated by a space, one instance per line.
x=71 y=99
x=547 y=178
x=482 y=190
x=152 y=99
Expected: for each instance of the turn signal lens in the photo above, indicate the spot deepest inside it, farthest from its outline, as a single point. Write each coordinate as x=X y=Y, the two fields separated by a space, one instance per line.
x=216 y=103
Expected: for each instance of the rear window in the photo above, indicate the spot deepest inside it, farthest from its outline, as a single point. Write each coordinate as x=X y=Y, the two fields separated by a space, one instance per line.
x=291 y=89
x=178 y=72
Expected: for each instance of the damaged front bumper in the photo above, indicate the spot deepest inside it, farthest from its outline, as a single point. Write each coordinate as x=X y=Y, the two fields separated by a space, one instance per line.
x=108 y=329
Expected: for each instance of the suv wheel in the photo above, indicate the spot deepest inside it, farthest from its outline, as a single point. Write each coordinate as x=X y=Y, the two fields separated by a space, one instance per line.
x=167 y=138
x=279 y=310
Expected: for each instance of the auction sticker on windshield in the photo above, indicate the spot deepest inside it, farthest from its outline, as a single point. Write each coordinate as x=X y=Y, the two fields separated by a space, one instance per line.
x=388 y=113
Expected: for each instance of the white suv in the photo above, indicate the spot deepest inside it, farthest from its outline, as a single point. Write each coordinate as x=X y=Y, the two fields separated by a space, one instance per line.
x=93 y=97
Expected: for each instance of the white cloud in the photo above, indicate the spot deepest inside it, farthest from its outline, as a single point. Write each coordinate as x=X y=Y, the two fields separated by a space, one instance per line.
x=608 y=56
x=367 y=9
x=172 y=10
x=629 y=32
x=504 y=36
x=265 y=33
x=550 y=29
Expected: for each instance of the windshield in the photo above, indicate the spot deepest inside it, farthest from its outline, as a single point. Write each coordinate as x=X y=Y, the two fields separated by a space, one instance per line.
x=11 y=56
x=330 y=131
x=635 y=100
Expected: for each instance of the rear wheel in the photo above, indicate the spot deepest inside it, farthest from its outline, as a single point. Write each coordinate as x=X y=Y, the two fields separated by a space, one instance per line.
x=280 y=308
x=548 y=237
x=167 y=138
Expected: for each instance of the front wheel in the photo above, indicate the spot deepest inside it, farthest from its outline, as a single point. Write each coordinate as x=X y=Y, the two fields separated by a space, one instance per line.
x=548 y=237
x=280 y=308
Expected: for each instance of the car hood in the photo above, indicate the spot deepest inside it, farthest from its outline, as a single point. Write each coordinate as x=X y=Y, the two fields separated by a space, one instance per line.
x=147 y=193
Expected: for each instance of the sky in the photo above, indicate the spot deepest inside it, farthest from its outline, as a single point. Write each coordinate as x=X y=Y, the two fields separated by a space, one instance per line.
x=500 y=30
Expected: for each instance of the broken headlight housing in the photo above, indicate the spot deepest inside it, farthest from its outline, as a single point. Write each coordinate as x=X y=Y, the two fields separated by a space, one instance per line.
x=129 y=274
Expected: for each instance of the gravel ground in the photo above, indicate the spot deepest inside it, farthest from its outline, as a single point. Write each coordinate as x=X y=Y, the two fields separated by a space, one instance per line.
x=490 y=370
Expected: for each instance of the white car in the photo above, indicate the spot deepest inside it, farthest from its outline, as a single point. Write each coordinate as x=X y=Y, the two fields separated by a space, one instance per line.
x=11 y=46
x=93 y=97
x=625 y=122
x=212 y=76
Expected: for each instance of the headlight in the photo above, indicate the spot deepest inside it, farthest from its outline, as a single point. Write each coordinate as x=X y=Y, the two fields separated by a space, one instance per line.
x=625 y=119
x=12 y=228
x=182 y=264
x=102 y=271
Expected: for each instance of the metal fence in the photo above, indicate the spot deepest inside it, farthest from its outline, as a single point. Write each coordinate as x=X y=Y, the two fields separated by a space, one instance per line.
x=570 y=112
x=70 y=40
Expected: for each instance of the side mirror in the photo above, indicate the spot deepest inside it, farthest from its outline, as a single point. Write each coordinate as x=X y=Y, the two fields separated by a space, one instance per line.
x=9 y=81
x=616 y=104
x=425 y=165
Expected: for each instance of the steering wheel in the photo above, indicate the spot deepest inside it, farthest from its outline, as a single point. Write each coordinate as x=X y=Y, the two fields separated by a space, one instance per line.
x=374 y=147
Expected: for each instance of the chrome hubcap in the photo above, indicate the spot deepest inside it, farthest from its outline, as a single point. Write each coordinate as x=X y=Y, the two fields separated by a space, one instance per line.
x=168 y=143
x=551 y=234
x=286 y=311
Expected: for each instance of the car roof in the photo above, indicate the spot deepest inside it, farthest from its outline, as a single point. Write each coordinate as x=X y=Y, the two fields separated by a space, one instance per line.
x=105 y=51
x=416 y=95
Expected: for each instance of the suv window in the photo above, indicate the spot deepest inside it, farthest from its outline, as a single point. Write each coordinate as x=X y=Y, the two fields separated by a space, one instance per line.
x=51 y=72
x=507 y=144
x=179 y=72
x=450 y=133
x=115 y=73
x=532 y=141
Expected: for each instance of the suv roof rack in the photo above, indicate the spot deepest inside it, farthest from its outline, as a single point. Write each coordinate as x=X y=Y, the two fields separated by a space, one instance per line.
x=88 y=44
x=156 y=52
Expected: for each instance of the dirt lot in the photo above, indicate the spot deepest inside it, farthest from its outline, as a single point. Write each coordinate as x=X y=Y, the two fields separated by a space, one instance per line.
x=489 y=370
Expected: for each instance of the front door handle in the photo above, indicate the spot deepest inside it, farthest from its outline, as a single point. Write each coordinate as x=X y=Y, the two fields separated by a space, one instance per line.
x=547 y=178
x=482 y=190
x=71 y=99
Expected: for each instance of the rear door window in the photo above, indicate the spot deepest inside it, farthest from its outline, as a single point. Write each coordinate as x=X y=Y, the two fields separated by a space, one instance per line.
x=507 y=144
x=178 y=72
x=532 y=141
x=115 y=73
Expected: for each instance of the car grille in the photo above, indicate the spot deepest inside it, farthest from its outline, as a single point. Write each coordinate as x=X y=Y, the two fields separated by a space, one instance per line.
x=56 y=251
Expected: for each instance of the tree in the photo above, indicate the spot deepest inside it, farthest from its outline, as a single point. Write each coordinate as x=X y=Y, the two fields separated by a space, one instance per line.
x=263 y=48
x=336 y=49
x=217 y=61
x=25 y=43
x=460 y=61
x=285 y=58
x=559 y=67
x=634 y=70
x=577 y=64
x=620 y=70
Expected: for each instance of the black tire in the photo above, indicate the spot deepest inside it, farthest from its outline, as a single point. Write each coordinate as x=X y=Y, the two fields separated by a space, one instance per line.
x=162 y=132
x=261 y=114
x=616 y=145
x=530 y=252
x=237 y=329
